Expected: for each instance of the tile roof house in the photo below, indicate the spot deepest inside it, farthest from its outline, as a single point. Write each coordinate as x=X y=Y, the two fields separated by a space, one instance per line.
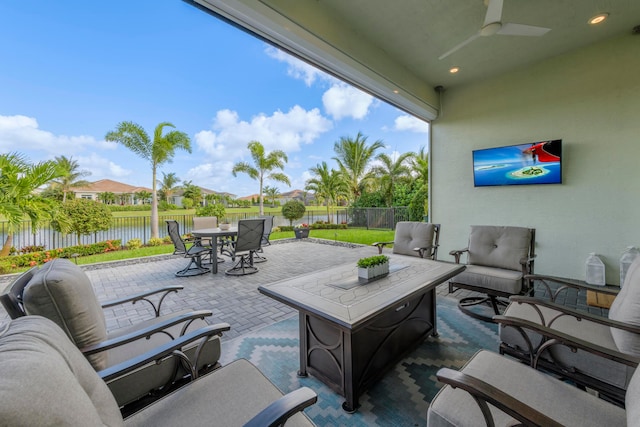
x=109 y=186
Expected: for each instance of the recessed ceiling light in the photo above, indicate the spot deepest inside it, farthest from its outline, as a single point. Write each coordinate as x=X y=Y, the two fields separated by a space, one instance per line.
x=395 y=91
x=454 y=70
x=598 y=18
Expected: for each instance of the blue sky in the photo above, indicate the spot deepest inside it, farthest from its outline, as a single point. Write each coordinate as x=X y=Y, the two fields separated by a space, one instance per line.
x=71 y=71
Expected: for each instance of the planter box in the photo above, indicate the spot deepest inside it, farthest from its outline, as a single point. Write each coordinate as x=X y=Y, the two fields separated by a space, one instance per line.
x=373 y=272
x=301 y=232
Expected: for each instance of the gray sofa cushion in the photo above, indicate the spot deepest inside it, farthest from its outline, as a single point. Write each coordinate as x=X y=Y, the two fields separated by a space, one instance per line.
x=490 y=278
x=228 y=397
x=603 y=369
x=500 y=247
x=62 y=292
x=562 y=402
x=46 y=381
x=626 y=308
x=410 y=235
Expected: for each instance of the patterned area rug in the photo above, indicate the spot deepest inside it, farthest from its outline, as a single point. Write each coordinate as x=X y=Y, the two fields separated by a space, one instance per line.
x=400 y=398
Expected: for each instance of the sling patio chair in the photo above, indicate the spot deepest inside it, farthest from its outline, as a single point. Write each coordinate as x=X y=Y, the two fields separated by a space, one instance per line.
x=248 y=241
x=46 y=381
x=195 y=253
x=415 y=239
x=498 y=262
x=62 y=292
x=268 y=226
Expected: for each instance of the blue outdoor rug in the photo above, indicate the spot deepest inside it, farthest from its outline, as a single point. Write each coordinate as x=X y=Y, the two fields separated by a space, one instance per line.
x=400 y=398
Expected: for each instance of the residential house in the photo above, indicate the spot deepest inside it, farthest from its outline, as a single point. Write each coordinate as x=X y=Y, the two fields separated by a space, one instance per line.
x=110 y=186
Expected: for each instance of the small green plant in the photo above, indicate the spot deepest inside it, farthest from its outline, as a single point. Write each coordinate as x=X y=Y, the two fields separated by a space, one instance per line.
x=155 y=241
x=372 y=261
x=134 y=244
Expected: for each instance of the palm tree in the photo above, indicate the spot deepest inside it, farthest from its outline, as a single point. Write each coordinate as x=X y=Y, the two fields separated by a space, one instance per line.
x=271 y=193
x=193 y=192
x=264 y=165
x=158 y=151
x=18 y=181
x=353 y=157
x=70 y=175
x=327 y=185
x=168 y=184
x=143 y=196
x=391 y=172
x=420 y=166
x=107 y=197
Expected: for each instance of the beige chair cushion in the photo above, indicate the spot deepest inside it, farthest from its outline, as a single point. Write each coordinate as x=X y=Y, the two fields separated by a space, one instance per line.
x=500 y=247
x=410 y=235
x=603 y=369
x=626 y=308
x=562 y=402
x=46 y=381
x=62 y=292
x=228 y=397
x=490 y=278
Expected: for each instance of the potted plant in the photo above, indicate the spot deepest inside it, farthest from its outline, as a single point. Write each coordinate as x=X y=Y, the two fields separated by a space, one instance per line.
x=301 y=230
x=225 y=224
x=373 y=266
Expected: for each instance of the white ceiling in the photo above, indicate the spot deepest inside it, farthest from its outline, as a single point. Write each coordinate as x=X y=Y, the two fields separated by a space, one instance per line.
x=391 y=47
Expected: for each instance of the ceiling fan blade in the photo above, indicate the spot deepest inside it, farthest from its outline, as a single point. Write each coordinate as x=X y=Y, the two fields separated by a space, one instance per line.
x=522 y=30
x=494 y=12
x=460 y=46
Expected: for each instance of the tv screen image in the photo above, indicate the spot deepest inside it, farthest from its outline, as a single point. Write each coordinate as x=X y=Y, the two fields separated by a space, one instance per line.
x=533 y=163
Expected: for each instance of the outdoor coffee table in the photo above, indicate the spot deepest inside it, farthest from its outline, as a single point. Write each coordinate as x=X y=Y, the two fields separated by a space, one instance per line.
x=214 y=233
x=353 y=331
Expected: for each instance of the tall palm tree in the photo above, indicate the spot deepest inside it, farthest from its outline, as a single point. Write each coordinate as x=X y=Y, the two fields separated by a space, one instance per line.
x=71 y=177
x=391 y=171
x=158 y=151
x=18 y=181
x=354 y=157
x=420 y=166
x=264 y=164
x=168 y=184
x=327 y=185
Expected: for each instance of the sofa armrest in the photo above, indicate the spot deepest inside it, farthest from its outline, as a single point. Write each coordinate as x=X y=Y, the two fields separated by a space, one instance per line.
x=457 y=253
x=555 y=337
x=569 y=284
x=162 y=351
x=161 y=327
x=278 y=412
x=484 y=394
x=142 y=296
x=578 y=314
x=381 y=245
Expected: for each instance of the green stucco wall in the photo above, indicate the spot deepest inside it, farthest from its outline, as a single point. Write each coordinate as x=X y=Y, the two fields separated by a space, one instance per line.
x=591 y=100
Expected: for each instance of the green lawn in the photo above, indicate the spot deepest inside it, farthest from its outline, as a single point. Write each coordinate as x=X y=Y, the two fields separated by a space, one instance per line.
x=231 y=211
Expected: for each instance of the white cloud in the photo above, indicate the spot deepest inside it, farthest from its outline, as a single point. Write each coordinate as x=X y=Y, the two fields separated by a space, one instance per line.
x=297 y=69
x=342 y=100
x=411 y=124
x=101 y=167
x=230 y=135
x=23 y=133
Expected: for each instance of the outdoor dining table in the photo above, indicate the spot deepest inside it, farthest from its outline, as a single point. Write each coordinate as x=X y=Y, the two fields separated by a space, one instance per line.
x=214 y=234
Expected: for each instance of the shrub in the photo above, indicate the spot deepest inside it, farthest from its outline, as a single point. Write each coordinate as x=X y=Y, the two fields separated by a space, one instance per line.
x=166 y=239
x=32 y=248
x=216 y=210
x=417 y=207
x=163 y=205
x=155 y=241
x=134 y=244
x=84 y=216
x=293 y=210
x=129 y=208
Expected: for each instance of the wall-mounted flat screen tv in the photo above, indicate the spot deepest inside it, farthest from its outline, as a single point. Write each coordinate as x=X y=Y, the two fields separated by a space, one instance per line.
x=534 y=163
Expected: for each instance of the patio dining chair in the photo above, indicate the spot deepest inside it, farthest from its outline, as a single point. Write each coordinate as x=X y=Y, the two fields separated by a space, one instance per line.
x=268 y=226
x=249 y=240
x=47 y=382
x=195 y=253
x=62 y=292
